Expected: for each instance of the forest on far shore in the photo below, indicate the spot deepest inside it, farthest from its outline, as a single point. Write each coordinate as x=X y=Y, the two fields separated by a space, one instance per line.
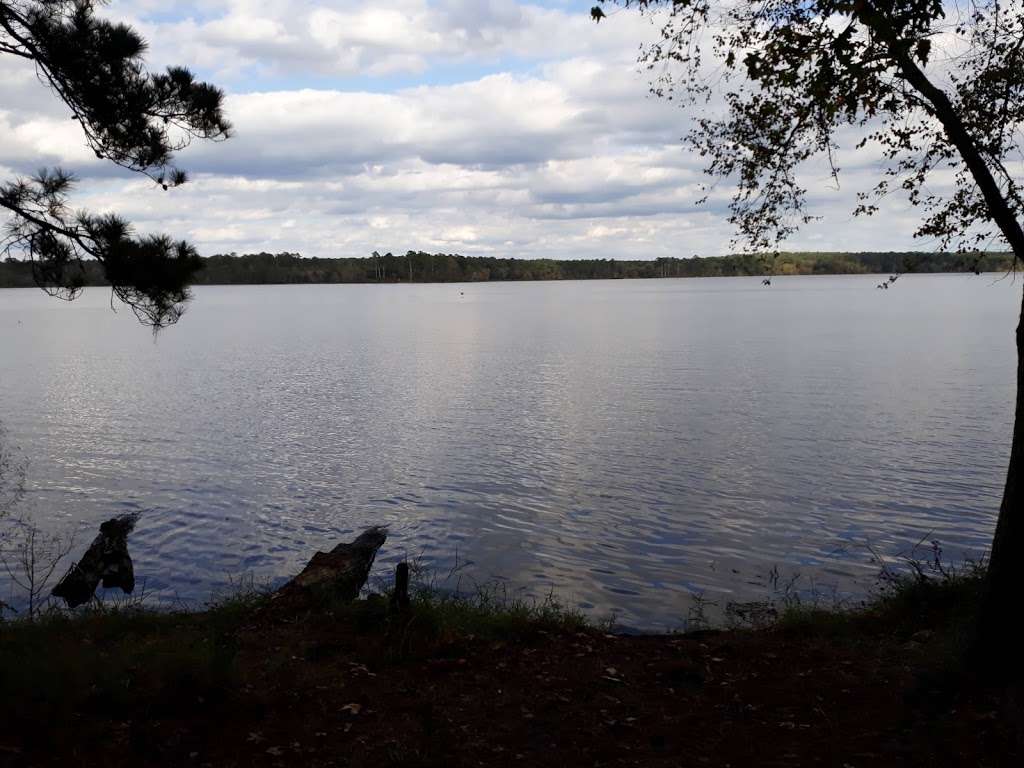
x=420 y=267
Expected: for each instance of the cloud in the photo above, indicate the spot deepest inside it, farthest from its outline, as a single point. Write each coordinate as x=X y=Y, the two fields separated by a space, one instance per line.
x=245 y=39
x=518 y=129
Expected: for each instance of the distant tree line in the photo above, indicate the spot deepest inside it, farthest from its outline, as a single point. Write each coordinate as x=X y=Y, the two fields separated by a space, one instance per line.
x=420 y=267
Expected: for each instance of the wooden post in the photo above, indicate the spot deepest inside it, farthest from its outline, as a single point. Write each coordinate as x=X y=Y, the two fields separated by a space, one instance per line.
x=400 y=597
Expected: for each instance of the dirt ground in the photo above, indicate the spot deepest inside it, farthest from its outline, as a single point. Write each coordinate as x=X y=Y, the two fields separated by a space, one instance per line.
x=307 y=692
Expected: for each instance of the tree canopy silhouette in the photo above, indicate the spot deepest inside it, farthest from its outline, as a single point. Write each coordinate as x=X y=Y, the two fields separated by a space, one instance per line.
x=937 y=88
x=129 y=116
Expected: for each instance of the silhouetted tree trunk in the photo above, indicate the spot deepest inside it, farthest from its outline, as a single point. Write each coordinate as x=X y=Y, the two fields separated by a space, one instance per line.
x=1005 y=576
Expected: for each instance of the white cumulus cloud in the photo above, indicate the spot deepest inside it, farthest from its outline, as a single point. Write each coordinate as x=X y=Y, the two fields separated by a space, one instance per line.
x=491 y=127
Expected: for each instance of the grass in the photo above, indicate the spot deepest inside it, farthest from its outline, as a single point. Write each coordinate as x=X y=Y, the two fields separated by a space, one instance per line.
x=488 y=613
x=930 y=605
x=126 y=659
x=439 y=622
x=121 y=660
x=255 y=675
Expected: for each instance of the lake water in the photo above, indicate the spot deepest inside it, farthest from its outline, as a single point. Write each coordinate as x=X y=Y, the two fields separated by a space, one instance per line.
x=623 y=444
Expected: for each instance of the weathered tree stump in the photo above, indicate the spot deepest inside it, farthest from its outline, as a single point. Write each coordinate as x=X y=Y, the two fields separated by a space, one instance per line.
x=106 y=560
x=340 y=573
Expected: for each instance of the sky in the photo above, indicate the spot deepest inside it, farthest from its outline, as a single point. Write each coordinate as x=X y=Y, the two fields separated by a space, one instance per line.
x=481 y=127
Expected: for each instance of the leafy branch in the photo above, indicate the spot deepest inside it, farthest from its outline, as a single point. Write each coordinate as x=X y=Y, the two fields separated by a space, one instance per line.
x=135 y=119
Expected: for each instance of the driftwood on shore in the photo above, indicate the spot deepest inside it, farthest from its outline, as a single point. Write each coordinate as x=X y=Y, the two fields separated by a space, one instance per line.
x=342 y=572
x=107 y=561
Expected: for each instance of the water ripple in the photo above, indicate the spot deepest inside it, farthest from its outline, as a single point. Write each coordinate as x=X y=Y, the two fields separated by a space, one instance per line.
x=623 y=444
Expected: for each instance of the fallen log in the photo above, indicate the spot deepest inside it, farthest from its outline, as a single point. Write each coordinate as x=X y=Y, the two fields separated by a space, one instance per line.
x=340 y=573
x=107 y=560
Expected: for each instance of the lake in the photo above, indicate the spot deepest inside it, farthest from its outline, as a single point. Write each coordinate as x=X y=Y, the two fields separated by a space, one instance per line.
x=623 y=445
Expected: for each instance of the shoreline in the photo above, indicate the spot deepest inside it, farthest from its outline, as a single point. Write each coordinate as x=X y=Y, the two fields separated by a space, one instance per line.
x=429 y=268
x=865 y=275
x=254 y=681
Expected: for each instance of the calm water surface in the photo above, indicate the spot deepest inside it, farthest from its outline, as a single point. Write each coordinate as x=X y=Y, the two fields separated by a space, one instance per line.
x=623 y=444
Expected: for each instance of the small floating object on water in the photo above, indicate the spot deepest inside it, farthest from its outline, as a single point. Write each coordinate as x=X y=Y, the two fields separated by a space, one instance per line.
x=766 y=281
x=886 y=283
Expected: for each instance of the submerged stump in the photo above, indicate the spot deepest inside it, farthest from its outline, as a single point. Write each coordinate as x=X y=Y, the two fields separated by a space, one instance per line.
x=340 y=573
x=107 y=560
